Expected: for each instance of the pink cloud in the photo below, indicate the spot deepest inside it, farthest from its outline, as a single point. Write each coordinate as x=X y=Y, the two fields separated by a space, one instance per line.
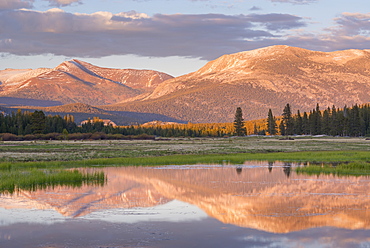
x=60 y=3
x=16 y=4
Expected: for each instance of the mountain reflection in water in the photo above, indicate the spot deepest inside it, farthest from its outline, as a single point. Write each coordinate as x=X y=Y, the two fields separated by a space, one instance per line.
x=260 y=195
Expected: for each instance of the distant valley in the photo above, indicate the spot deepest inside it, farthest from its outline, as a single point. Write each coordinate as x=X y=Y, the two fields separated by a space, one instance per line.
x=254 y=80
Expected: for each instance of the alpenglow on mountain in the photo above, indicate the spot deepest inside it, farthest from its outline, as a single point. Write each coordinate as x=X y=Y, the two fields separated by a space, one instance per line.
x=77 y=81
x=254 y=80
x=261 y=79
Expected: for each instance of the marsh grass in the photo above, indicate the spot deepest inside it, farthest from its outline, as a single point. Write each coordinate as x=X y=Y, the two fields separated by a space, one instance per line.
x=57 y=155
x=350 y=169
x=79 y=150
x=239 y=158
x=35 y=179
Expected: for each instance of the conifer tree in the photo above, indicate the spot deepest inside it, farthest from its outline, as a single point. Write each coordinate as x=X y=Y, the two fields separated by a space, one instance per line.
x=271 y=123
x=239 y=122
x=318 y=120
x=282 y=128
x=355 y=121
x=288 y=120
x=325 y=125
x=305 y=124
x=346 y=122
x=298 y=121
x=38 y=122
x=334 y=122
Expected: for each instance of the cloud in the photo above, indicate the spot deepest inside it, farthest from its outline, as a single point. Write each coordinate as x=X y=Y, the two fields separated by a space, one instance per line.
x=60 y=3
x=296 y=1
x=16 y=4
x=25 y=32
x=28 y=4
x=352 y=30
x=277 y=21
x=255 y=8
x=349 y=24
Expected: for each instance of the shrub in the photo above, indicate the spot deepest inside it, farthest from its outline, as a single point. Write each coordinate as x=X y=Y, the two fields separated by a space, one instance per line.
x=29 y=137
x=52 y=136
x=9 y=137
x=98 y=136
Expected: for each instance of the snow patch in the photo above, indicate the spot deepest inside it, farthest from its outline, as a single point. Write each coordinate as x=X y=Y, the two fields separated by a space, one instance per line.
x=25 y=85
x=17 y=78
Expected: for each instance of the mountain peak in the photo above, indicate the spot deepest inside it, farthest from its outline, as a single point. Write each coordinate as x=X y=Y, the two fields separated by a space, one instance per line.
x=242 y=59
x=78 y=81
x=263 y=79
x=247 y=61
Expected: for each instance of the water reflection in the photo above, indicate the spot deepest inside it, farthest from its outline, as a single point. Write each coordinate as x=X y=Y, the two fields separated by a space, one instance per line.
x=270 y=164
x=267 y=196
x=287 y=169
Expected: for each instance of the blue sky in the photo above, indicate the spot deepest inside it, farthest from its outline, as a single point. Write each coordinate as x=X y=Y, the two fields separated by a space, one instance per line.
x=173 y=36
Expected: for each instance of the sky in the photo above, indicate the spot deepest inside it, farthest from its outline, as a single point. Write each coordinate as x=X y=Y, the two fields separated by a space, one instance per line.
x=171 y=36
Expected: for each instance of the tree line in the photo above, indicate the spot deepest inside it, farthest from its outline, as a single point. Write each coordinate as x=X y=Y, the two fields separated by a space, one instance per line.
x=349 y=121
x=23 y=123
x=28 y=125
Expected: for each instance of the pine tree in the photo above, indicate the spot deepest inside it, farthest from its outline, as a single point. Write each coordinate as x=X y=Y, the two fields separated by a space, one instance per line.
x=288 y=120
x=298 y=122
x=346 y=122
x=271 y=123
x=355 y=121
x=38 y=122
x=318 y=120
x=282 y=128
x=239 y=123
x=305 y=124
x=334 y=122
x=325 y=125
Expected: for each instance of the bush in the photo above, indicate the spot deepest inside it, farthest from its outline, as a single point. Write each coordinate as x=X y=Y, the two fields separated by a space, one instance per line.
x=98 y=136
x=52 y=136
x=29 y=137
x=79 y=136
x=9 y=137
x=115 y=136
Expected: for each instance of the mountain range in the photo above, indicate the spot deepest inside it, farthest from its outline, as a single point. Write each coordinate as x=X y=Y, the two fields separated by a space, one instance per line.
x=257 y=80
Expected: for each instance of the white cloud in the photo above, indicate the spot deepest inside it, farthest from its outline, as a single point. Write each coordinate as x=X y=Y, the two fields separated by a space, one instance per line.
x=28 y=4
x=206 y=36
x=16 y=4
x=296 y=1
x=103 y=33
x=353 y=24
x=60 y=3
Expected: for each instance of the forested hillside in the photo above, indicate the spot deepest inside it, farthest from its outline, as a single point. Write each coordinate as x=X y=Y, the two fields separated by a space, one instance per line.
x=348 y=121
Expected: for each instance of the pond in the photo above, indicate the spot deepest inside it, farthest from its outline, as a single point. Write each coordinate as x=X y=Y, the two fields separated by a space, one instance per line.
x=256 y=204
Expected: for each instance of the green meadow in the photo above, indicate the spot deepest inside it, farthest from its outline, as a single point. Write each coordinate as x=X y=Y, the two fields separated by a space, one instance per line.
x=47 y=159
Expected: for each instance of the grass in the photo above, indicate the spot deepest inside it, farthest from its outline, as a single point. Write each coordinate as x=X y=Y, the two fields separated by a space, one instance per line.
x=73 y=154
x=34 y=179
x=238 y=158
x=84 y=150
x=350 y=169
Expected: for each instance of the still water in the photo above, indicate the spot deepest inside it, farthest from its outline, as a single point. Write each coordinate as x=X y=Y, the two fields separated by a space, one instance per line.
x=257 y=204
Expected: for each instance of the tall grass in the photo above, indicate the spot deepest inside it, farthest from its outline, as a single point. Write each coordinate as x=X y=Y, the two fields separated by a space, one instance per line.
x=350 y=169
x=239 y=158
x=34 y=179
x=36 y=175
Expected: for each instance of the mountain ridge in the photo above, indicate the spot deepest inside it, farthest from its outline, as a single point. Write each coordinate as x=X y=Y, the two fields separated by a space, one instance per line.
x=256 y=80
x=262 y=79
x=77 y=81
